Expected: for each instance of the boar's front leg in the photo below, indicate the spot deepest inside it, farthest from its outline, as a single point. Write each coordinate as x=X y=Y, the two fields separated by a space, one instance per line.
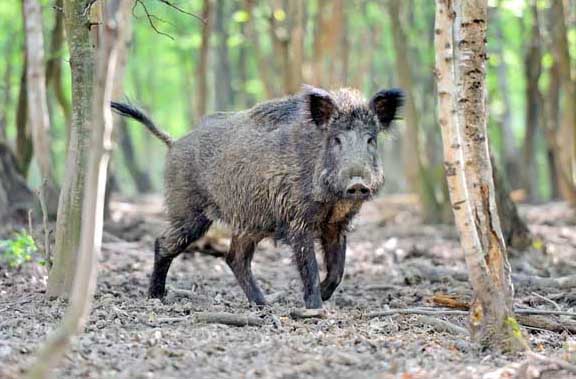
x=173 y=242
x=303 y=246
x=334 y=245
x=239 y=259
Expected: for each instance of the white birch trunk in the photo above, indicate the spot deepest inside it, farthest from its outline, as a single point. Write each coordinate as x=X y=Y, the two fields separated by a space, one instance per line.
x=460 y=68
x=86 y=269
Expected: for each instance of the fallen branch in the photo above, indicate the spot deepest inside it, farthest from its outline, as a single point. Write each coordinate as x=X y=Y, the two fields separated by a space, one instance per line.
x=449 y=312
x=555 y=361
x=546 y=323
x=228 y=319
x=307 y=313
x=440 y=274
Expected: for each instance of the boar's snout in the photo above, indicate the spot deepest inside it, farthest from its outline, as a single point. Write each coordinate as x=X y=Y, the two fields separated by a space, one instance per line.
x=357 y=189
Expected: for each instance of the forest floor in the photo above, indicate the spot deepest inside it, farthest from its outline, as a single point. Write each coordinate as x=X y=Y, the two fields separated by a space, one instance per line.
x=393 y=262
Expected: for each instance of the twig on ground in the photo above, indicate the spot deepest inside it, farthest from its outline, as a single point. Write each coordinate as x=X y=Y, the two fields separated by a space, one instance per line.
x=307 y=313
x=440 y=274
x=555 y=304
x=417 y=311
x=228 y=319
x=440 y=312
x=546 y=323
x=225 y=318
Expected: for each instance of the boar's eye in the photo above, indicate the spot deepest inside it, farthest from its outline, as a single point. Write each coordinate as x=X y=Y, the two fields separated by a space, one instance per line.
x=337 y=141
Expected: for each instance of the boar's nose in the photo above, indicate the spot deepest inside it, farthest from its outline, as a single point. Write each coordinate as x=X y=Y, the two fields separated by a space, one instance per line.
x=357 y=189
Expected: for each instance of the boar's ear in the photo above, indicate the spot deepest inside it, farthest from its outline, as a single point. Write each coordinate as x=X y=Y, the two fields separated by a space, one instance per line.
x=318 y=105
x=385 y=105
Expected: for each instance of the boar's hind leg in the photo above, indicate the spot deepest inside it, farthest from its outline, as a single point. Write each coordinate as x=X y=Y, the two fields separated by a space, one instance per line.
x=303 y=247
x=173 y=242
x=334 y=246
x=239 y=259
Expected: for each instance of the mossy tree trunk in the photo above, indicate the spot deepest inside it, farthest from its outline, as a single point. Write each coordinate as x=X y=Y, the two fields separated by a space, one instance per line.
x=86 y=269
x=461 y=73
x=81 y=46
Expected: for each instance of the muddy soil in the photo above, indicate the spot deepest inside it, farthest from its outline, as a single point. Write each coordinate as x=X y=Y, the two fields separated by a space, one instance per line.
x=130 y=336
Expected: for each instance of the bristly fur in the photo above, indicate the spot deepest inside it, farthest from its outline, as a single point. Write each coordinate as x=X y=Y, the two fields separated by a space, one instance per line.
x=280 y=170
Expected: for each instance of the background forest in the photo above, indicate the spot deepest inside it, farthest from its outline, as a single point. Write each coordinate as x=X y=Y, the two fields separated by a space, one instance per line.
x=179 y=69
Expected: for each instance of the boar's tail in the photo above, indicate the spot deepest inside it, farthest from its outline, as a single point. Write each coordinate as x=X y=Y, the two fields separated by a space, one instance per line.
x=132 y=112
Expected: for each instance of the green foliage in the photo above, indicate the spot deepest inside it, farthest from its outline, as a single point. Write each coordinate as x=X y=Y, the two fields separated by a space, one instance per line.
x=18 y=250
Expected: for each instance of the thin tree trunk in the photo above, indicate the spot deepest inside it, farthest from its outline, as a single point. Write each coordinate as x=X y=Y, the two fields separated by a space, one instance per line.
x=54 y=65
x=70 y=207
x=550 y=124
x=7 y=98
x=202 y=68
x=223 y=92
x=460 y=68
x=533 y=69
x=140 y=177
x=509 y=149
x=418 y=180
x=264 y=65
x=86 y=270
x=23 y=138
x=297 y=14
x=566 y=133
x=37 y=100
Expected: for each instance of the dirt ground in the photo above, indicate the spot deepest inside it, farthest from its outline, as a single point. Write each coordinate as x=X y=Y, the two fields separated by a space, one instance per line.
x=130 y=336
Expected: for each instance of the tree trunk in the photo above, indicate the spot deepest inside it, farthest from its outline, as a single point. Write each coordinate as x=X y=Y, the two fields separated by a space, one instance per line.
x=461 y=73
x=418 y=178
x=550 y=124
x=23 y=138
x=70 y=207
x=15 y=196
x=566 y=134
x=533 y=69
x=38 y=117
x=86 y=271
x=54 y=65
x=201 y=70
x=223 y=92
x=514 y=230
x=140 y=177
x=509 y=153
x=7 y=98
x=264 y=66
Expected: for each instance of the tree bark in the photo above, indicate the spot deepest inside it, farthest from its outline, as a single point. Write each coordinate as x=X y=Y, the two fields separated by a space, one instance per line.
x=23 y=138
x=416 y=174
x=70 y=207
x=202 y=68
x=54 y=65
x=39 y=120
x=15 y=196
x=532 y=69
x=566 y=134
x=86 y=270
x=223 y=92
x=461 y=73
x=264 y=66
x=509 y=152
x=140 y=177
